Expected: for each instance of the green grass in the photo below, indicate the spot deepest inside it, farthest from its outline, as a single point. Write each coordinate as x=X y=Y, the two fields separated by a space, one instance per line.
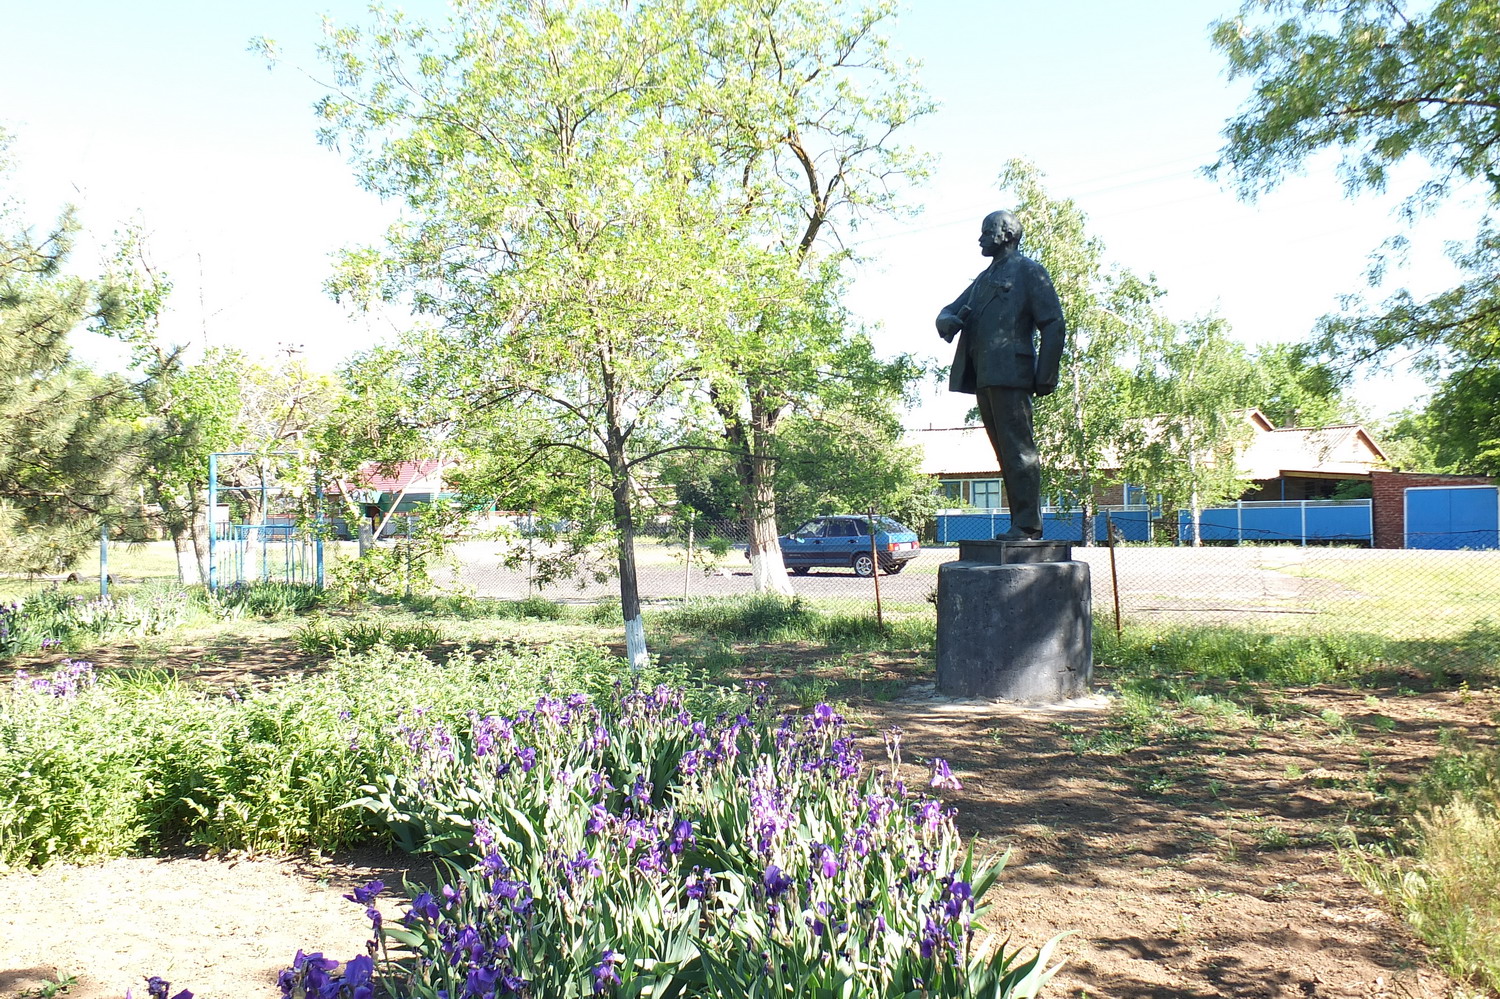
x=358 y=636
x=775 y=619
x=1410 y=596
x=1173 y=658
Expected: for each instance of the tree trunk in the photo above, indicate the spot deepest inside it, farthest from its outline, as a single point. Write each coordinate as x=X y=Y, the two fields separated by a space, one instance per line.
x=198 y=529
x=1195 y=509
x=187 y=565
x=630 y=596
x=767 y=569
x=615 y=441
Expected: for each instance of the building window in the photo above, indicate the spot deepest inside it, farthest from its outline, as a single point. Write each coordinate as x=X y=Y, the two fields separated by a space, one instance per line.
x=952 y=489
x=985 y=493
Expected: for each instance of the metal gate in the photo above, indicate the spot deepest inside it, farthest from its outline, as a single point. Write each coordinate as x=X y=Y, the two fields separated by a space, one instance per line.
x=265 y=532
x=1451 y=517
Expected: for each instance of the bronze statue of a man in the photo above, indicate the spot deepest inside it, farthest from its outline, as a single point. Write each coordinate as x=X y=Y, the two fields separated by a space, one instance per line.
x=1010 y=349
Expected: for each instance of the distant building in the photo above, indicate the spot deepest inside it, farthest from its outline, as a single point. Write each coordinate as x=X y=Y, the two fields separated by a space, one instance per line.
x=407 y=486
x=1290 y=463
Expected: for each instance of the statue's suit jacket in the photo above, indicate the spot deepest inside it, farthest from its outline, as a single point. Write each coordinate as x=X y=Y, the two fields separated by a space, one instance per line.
x=1013 y=335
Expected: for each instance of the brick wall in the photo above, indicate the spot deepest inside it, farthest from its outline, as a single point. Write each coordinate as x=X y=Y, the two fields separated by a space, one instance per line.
x=1388 y=506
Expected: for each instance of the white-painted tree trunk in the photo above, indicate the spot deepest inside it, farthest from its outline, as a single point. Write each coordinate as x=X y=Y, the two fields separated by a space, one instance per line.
x=768 y=572
x=187 y=560
x=635 y=644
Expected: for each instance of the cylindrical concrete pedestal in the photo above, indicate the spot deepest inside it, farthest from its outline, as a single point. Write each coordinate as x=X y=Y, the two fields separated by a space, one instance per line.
x=1022 y=630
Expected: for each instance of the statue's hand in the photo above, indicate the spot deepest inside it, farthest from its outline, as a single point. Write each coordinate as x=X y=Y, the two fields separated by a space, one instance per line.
x=948 y=326
x=1044 y=389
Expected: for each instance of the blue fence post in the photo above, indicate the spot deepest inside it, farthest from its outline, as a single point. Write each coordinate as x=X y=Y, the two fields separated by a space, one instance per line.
x=103 y=560
x=318 y=517
x=213 y=525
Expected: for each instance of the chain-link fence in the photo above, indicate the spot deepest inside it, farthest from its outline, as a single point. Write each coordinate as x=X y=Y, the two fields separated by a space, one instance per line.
x=1427 y=604
x=1423 y=597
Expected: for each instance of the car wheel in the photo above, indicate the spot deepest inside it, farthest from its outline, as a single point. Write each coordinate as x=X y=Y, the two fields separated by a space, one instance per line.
x=894 y=568
x=864 y=564
x=800 y=570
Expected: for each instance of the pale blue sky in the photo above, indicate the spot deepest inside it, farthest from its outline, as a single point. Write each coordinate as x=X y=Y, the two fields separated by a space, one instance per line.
x=158 y=109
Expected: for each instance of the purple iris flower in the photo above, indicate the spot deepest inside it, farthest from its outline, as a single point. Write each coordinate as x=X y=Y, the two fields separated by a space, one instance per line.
x=366 y=895
x=701 y=885
x=942 y=775
x=605 y=973
x=495 y=865
x=825 y=860
x=481 y=982
x=583 y=864
x=776 y=882
x=959 y=894
x=359 y=971
x=682 y=835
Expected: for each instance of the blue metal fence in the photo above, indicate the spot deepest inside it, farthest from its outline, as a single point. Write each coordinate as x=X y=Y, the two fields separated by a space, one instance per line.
x=275 y=548
x=1453 y=517
x=1282 y=520
x=1132 y=522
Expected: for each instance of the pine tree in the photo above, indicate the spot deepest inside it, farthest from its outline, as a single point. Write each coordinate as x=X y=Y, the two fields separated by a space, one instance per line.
x=63 y=453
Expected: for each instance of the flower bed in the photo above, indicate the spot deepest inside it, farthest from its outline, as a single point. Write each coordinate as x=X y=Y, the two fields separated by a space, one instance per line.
x=631 y=848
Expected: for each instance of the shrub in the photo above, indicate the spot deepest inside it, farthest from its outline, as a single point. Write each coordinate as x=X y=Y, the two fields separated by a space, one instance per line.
x=270 y=600
x=52 y=617
x=326 y=638
x=140 y=761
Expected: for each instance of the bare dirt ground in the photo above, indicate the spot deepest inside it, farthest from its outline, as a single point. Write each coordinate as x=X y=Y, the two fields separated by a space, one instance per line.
x=1196 y=865
x=1199 y=867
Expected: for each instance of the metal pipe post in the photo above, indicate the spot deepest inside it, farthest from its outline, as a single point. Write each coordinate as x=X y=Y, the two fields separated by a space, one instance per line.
x=318 y=518
x=213 y=527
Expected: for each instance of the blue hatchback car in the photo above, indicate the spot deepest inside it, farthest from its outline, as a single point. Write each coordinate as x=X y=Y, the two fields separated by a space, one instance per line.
x=845 y=541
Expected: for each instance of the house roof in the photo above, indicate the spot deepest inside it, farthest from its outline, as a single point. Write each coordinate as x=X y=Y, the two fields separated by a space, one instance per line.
x=1338 y=450
x=955 y=451
x=422 y=476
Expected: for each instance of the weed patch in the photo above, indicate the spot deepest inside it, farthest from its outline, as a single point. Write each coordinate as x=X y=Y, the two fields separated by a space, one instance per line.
x=1443 y=874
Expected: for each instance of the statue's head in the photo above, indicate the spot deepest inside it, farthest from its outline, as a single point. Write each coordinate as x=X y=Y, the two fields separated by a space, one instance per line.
x=999 y=230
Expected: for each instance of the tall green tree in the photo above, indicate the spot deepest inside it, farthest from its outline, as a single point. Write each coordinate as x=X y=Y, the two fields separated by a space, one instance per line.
x=1298 y=391
x=1084 y=426
x=1196 y=382
x=1457 y=430
x=183 y=411
x=562 y=220
x=65 y=449
x=1381 y=82
x=807 y=105
x=846 y=458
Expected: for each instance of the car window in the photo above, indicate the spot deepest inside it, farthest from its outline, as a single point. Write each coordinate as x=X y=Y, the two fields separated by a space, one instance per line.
x=893 y=526
x=811 y=529
x=854 y=529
